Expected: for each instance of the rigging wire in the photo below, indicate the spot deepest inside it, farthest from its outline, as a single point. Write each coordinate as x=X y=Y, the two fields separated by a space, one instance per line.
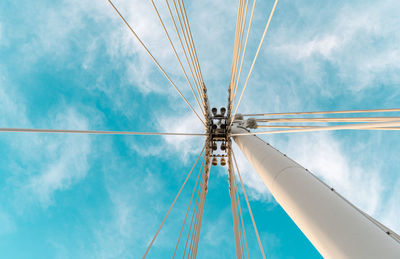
x=235 y=54
x=190 y=251
x=312 y=126
x=325 y=112
x=197 y=201
x=201 y=210
x=236 y=78
x=241 y=217
x=248 y=206
x=25 y=130
x=176 y=54
x=173 y=203
x=236 y=40
x=195 y=226
x=154 y=59
x=255 y=58
x=191 y=38
x=198 y=226
x=196 y=222
x=244 y=51
x=203 y=86
x=192 y=49
x=327 y=128
x=242 y=27
x=185 y=37
x=190 y=203
x=184 y=50
x=343 y=119
x=235 y=216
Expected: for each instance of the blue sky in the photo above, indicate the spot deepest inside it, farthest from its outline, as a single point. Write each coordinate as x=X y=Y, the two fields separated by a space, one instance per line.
x=73 y=64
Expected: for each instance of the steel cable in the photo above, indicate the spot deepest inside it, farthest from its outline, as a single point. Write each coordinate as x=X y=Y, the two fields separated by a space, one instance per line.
x=176 y=54
x=155 y=61
x=255 y=58
x=248 y=206
x=172 y=205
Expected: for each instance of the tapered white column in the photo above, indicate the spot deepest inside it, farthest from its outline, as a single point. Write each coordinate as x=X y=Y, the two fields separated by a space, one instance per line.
x=335 y=227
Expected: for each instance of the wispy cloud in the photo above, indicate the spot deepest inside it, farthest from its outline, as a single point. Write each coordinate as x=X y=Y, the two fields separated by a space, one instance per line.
x=7 y=223
x=186 y=123
x=362 y=48
x=351 y=54
x=67 y=160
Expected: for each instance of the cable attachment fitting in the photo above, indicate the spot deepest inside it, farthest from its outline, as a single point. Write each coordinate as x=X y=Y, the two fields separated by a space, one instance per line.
x=218 y=138
x=250 y=123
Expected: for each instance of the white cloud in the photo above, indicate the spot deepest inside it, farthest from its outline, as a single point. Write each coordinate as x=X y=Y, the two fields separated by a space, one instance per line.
x=136 y=210
x=250 y=178
x=67 y=158
x=323 y=46
x=64 y=166
x=323 y=155
x=363 y=185
x=188 y=123
x=46 y=163
x=359 y=41
x=12 y=110
x=7 y=224
x=389 y=211
x=214 y=233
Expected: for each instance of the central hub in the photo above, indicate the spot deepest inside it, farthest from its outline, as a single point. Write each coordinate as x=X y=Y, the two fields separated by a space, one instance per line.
x=218 y=135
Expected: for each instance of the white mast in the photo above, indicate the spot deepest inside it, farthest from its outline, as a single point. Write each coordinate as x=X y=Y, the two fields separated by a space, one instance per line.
x=334 y=226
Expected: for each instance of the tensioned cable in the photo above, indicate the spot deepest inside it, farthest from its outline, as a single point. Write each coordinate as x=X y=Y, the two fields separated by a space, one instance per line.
x=242 y=27
x=196 y=218
x=191 y=38
x=190 y=203
x=184 y=50
x=185 y=31
x=191 y=41
x=24 y=130
x=180 y=20
x=238 y=29
x=173 y=203
x=154 y=59
x=203 y=86
x=244 y=51
x=176 y=54
x=190 y=251
x=312 y=126
x=235 y=216
x=248 y=206
x=255 y=58
x=241 y=216
x=235 y=54
x=195 y=226
x=242 y=21
x=197 y=200
x=343 y=119
x=327 y=128
x=325 y=112
x=198 y=225
x=201 y=210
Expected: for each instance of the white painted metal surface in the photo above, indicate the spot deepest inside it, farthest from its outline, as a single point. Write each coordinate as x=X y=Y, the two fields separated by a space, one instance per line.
x=334 y=226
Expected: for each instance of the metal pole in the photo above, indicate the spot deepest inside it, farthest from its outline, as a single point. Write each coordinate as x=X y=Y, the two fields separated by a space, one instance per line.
x=334 y=226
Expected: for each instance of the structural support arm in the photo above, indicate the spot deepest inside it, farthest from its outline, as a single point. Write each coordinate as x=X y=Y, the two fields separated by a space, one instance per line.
x=334 y=226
